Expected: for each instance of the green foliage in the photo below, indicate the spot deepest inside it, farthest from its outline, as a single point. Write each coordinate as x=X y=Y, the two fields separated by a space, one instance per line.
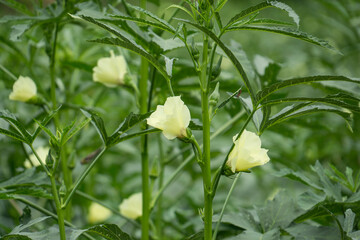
x=280 y=88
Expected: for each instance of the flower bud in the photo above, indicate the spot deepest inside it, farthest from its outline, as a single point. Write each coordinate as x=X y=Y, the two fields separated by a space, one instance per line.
x=110 y=71
x=247 y=153
x=132 y=206
x=216 y=70
x=172 y=118
x=23 y=89
x=97 y=213
x=215 y=95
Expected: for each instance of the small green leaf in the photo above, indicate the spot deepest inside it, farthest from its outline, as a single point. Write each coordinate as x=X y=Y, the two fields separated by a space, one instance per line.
x=16 y=5
x=13 y=135
x=110 y=232
x=69 y=135
x=125 y=136
x=130 y=121
x=98 y=123
x=305 y=231
x=18 y=126
x=349 y=221
x=44 y=122
x=289 y=32
x=261 y=6
x=296 y=81
x=29 y=177
x=48 y=132
x=273 y=215
x=228 y=53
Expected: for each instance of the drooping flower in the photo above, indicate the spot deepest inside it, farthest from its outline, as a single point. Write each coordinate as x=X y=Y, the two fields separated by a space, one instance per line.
x=172 y=118
x=132 y=206
x=98 y=213
x=247 y=152
x=23 y=89
x=42 y=153
x=110 y=71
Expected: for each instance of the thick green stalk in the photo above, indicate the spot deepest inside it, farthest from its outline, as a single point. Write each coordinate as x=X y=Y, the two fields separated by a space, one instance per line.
x=206 y=168
x=144 y=75
x=64 y=165
x=59 y=211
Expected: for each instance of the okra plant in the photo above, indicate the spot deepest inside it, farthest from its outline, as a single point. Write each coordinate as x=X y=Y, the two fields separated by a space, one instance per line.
x=136 y=120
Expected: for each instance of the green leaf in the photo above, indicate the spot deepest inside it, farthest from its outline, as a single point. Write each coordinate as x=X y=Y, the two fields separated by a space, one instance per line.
x=44 y=122
x=18 y=6
x=328 y=187
x=12 y=193
x=274 y=234
x=48 y=132
x=349 y=221
x=69 y=135
x=141 y=21
x=110 y=232
x=98 y=123
x=261 y=6
x=220 y=5
x=303 y=109
x=13 y=135
x=296 y=81
x=21 y=227
x=29 y=177
x=228 y=99
x=269 y=21
x=297 y=176
x=49 y=233
x=289 y=32
x=153 y=16
x=125 y=136
x=273 y=216
x=18 y=126
x=228 y=53
x=15 y=237
x=243 y=219
x=328 y=100
x=305 y=231
x=130 y=121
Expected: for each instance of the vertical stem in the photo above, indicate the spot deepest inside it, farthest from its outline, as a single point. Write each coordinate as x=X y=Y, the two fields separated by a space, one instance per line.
x=144 y=71
x=159 y=226
x=59 y=211
x=206 y=168
x=63 y=158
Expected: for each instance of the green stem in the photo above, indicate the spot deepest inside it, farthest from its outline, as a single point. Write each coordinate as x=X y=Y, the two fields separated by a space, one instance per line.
x=225 y=204
x=8 y=72
x=206 y=168
x=82 y=177
x=144 y=75
x=159 y=219
x=59 y=211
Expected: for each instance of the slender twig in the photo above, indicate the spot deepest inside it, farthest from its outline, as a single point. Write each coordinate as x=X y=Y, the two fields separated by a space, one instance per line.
x=82 y=177
x=225 y=204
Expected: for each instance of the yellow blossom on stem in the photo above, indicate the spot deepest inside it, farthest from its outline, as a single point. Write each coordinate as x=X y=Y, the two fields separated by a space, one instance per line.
x=172 y=118
x=247 y=153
